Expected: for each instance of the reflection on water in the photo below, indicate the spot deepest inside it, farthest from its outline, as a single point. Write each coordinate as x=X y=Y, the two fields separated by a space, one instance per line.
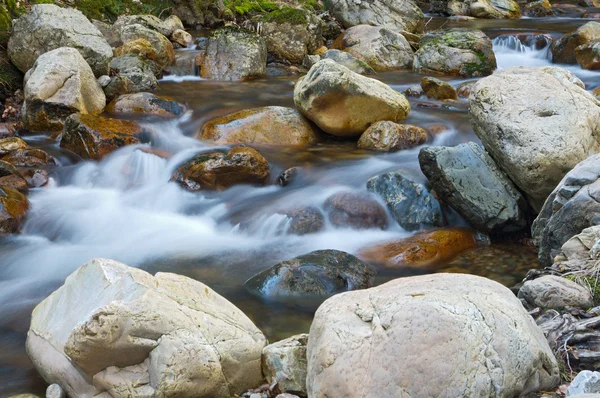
x=125 y=208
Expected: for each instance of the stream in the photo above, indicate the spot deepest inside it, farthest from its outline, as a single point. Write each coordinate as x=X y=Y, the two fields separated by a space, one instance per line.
x=125 y=208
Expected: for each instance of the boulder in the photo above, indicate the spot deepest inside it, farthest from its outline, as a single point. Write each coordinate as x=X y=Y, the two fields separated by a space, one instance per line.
x=48 y=27
x=141 y=47
x=182 y=38
x=234 y=54
x=588 y=56
x=272 y=125
x=572 y=207
x=586 y=382
x=30 y=158
x=381 y=48
x=284 y=364
x=457 y=52
x=442 y=335
x=563 y=49
x=438 y=89
x=537 y=124
x=148 y=21
x=554 y=292
x=305 y=220
x=165 y=54
x=7 y=145
x=94 y=137
x=423 y=250
x=538 y=9
x=347 y=60
x=344 y=103
x=320 y=273
x=220 y=170
x=494 y=9
x=145 y=104
x=108 y=31
x=10 y=177
x=410 y=203
x=131 y=74
x=390 y=137
x=294 y=37
x=60 y=83
x=395 y=15
x=13 y=209
x=124 y=332
x=469 y=180
x=357 y=210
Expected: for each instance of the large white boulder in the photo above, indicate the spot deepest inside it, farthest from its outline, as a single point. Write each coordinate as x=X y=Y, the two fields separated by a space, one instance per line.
x=117 y=331
x=537 y=124
x=443 y=335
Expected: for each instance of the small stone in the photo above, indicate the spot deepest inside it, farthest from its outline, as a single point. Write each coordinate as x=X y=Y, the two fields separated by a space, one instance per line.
x=104 y=80
x=181 y=37
x=287 y=176
x=55 y=391
x=414 y=91
x=389 y=137
x=284 y=364
x=585 y=382
x=438 y=89
x=358 y=210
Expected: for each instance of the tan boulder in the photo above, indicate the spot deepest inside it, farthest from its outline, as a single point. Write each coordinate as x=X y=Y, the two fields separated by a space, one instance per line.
x=389 y=136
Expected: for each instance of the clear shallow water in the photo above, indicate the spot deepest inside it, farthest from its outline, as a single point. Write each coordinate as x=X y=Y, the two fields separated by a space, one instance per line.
x=125 y=208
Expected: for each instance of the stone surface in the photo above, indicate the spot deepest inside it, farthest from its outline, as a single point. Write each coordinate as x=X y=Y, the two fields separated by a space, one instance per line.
x=147 y=21
x=319 y=273
x=554 y=292
x=390 y=137
x=443 y=335
x=60 y=83
x=130 y=74
x=586 y=382
x=284 y=363
x=344 y=103
x=55 y=391
x=491 y=9
x=469 y=180
x=588 y=55
x=410 y=203
x=181 y=37
x=11 y=177
x=137 y=335
x=7 y=145
x=94 y=137
x=460 y=52
x=145 y=104
x=537 y=124
x=538 y=9
x=357 y=210
x=347 y=60
x=48 y=27
x=394 y=15
x=381 y=48
x=305 y=220
x=272 y=125
x=234 y=54
x=563 y=49
x=141 y=47
x=438 y=89
x=13 y=209
x=165 y=54
x=291 y=41
x=29 y=157
x=219 y=170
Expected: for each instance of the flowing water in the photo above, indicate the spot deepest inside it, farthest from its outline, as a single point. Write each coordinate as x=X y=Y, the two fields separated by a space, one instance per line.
x=125 y=208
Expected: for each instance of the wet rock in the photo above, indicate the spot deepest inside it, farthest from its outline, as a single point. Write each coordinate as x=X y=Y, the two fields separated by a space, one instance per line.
x=464 y=90
x=554 y=292
x=165 y=54
x=347 y=60
x=293 y=39
x=459 y=52
x=570 y=208
x=357 y=210
x=388 y=347
x=94 y=137
x=36 y=177
x=287 y=176
x=48 y=27
x=131 y=74
x=320 y=273
x=563 y=49
x=13 y=209
x=219 y=170
x=181 y=37
x=586 y=382
x=30 y=158
x=382 y=49
x=344 y=103
x=438 y=89
x=7 y=145
x=234 y=54
x=306 y=220
x=128 y=325
x=538 y=9
x=141 y=47
x=60 y=83
x=390 y=137
x=492 y=9
x=55 y=391
x=397 y=16
x=146 y=104
x=422 y=250
x=409 y=202
x=414 y=91
x=469 y=180
x=273 y=125
x=511 y=108
x=284 y=364
x=10 y=177
x=588 y=56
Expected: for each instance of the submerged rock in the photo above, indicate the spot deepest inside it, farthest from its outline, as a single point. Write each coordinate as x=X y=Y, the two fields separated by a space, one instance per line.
x=537 y=124
x=219 y=170
x=564 y=49
x=274 y=125
x=469 y=180
x=48 y=27
x=344 y=103
x=13 y=209
x=438 y=89
x=443 y=335
x=390 y=137
x=60 y=83
x=130 y=327
x=356 y=210
x=284 y=364
x=305 y=220
x=554 y=292
x=409 y=202
x=145 y=104
x=320 y=273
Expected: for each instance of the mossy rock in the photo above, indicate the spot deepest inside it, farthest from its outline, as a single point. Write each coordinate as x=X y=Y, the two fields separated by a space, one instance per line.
x=11 y=78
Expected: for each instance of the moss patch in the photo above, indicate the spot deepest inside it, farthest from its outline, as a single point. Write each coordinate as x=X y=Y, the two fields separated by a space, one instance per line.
x=295 y=16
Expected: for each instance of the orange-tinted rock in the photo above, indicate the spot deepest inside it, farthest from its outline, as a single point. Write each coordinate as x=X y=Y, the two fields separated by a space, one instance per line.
x=13 y=208
x=145 y=103
x=30 y=158
x=219 y=170
x=464 y=89
x=93 y=137
x=272 y=125
x=437 y=129
x=10 y=177
x=141 y=47
x=596 y=92
x=422 y=250
x=389 y=136
x=7 y=145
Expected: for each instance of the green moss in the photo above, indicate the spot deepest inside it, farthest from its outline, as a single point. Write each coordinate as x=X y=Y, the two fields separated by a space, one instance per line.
x=110 y=10
x=295 y=16
x=246 y=7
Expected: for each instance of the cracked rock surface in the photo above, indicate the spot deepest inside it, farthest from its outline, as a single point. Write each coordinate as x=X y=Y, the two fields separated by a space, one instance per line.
x=117 y=331
x=443 y=335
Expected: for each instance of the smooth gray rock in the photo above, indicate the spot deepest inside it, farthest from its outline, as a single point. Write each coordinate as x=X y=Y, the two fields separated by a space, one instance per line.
x=347 y=60
x=586 y=382
x=554 y=292
x=573 y=206
x=55 y=391
x=467 y=178
x=357 y=210
x=284 y=363
x=411 y=203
